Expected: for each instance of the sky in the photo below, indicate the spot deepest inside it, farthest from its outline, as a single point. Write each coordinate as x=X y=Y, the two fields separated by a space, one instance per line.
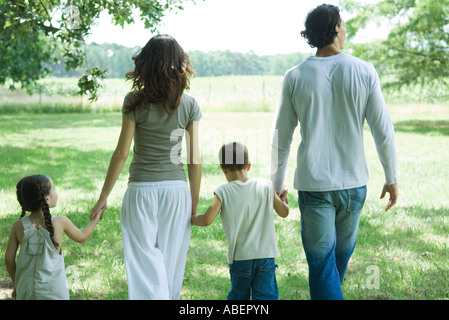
x=266 y=27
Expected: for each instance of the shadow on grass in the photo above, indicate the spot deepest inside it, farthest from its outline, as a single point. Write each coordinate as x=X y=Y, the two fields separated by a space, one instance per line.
x=69 y=168
x=206 y=274
x=25 y=123
x=434 y=127
x=409 y=246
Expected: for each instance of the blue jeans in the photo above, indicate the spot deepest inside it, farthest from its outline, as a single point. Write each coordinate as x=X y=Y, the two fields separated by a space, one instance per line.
x=256 y=278
x=329 y=227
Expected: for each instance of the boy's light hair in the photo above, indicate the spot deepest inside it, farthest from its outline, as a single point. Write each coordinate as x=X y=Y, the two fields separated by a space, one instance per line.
x=233 y=156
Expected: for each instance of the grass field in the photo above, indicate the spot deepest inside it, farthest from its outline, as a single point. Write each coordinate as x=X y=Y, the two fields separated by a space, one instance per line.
x=402 y=254
x=218 y=94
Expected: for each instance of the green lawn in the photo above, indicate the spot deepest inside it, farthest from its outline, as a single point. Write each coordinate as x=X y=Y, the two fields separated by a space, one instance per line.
x=402 y=254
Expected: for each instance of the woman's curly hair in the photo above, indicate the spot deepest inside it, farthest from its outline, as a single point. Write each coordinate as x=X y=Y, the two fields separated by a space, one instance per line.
x=320 y=25
x=162 y=72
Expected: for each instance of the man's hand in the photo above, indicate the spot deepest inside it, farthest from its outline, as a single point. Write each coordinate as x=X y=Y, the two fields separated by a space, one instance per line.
x=393 y=190
x=283 y=195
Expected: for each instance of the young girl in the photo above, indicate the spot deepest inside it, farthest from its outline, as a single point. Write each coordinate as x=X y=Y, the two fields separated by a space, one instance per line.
x=39 y=273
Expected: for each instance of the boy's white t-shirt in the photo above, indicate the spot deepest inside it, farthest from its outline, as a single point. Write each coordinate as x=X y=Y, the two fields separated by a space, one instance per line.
x=247 y=219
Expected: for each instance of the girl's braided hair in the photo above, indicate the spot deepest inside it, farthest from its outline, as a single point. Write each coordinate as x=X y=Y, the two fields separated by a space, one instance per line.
x=31 y=192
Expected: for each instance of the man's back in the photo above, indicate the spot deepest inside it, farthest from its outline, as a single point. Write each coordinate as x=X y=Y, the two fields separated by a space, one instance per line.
x=331 y=97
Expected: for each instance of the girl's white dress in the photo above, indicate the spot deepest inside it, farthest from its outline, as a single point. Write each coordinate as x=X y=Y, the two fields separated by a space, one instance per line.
x=40 y=270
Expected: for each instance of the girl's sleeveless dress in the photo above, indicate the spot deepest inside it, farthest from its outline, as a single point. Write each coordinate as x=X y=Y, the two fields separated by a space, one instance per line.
x=40 y=269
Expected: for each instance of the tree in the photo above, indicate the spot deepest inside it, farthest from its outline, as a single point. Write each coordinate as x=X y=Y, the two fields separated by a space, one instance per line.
x=35 y=32
x=416 y=50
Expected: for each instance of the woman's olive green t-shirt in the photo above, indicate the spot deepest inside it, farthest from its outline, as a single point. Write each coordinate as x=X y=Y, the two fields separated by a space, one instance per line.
x=158 y=139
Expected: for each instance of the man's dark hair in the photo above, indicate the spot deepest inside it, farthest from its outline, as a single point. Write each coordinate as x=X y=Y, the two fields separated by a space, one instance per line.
x=233 y=156
x=320 y=25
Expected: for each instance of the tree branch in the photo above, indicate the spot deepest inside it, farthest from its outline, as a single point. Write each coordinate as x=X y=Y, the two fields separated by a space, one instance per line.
x=442 y=59
x=48 y=29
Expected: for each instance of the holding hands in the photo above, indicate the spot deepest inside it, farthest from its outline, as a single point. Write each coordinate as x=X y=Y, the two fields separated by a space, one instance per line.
x=98 y=209
x=283 y=195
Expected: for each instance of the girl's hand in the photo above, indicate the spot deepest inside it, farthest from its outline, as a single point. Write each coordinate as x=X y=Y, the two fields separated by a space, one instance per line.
x=97 y=217
x=100 y=206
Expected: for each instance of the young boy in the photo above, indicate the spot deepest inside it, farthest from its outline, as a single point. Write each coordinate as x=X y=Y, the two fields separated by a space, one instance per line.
x=246 y=206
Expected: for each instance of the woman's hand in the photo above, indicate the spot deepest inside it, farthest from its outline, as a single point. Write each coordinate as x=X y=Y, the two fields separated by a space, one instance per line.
x=101 y=205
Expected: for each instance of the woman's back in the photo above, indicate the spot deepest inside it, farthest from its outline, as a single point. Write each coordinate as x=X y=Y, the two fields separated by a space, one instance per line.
x=158 y=139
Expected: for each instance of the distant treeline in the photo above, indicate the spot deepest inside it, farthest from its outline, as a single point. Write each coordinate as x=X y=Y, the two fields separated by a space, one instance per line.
x=117 y=60
x=224 y=63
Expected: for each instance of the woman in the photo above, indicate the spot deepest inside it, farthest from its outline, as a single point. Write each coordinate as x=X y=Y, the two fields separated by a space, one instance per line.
x=157 y=206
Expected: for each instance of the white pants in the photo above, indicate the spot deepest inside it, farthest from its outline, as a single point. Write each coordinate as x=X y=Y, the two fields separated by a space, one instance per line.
x=155 y=222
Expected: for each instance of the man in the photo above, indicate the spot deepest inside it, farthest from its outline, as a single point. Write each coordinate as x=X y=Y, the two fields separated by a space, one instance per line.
x=330 y=95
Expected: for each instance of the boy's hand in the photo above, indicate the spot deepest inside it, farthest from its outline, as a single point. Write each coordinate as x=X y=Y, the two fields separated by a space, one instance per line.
x=283 y=195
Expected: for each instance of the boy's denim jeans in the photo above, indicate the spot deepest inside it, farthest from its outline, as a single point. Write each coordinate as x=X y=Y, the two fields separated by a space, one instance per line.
x=256 y=278
x=329 y=227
